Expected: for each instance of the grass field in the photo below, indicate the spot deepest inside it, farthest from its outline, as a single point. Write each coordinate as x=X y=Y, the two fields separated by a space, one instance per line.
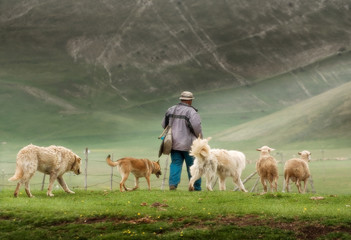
x=174 y=215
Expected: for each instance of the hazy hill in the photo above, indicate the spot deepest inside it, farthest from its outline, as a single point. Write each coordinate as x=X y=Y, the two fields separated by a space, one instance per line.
x=313 y=123
x=92 y=71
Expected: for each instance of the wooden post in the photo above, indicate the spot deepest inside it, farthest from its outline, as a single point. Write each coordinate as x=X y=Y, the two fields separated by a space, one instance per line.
x=86 y=169
x=42 y=183
x=311 y=182
x=111 y=174
x=254 y=186
x=165 y=174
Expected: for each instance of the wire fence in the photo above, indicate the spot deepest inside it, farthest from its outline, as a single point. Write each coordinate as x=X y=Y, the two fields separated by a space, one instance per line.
x=109 y=178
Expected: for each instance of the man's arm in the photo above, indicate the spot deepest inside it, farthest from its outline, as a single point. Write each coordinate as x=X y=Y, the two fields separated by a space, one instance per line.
x=195 y=122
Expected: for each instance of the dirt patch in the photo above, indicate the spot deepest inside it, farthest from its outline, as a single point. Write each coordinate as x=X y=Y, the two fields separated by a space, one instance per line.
x=302 y=229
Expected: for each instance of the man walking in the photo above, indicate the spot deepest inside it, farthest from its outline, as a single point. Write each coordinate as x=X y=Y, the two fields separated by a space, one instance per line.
x=186 y=127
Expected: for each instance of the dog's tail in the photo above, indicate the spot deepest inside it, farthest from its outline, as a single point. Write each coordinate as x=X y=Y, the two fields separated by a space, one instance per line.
x=110 y=162
x=18 y=174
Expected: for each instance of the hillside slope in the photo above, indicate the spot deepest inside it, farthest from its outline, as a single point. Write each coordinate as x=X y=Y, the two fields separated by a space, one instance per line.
x=311 y=123
x=88 y=71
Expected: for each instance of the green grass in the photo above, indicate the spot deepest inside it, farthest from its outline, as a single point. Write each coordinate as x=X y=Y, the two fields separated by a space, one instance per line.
x=182 y=214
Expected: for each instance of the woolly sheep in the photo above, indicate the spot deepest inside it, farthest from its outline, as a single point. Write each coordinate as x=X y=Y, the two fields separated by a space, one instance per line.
x=297 y=170
x=267 y=168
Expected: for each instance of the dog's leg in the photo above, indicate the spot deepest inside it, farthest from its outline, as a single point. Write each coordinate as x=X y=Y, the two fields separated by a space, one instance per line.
x=148 y=181
x=25 y=180
x=240 y=184
x=17 y=189
x=27 y=188
x=196 y=176
x=122 y=183
x=137 y=183
x=222 y=183
x=210 y=179
x=53 y=177
x=209 y=182
x=63 y=184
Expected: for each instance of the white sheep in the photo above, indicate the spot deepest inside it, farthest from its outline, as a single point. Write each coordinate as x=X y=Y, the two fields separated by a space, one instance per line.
x=267 y=168
x=297 y=170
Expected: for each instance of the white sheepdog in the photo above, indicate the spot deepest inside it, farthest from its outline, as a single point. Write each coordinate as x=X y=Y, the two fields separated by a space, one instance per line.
x=210 y=162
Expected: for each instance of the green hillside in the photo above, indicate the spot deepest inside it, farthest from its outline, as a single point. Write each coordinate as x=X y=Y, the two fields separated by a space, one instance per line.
x=102 y=73
x=320 y=122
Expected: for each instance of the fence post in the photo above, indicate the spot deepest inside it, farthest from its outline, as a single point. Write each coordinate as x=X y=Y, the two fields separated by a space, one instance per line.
x=111 y=175
x=310 y=179
x=86 y=169
x=255 y=185
x=165 y=174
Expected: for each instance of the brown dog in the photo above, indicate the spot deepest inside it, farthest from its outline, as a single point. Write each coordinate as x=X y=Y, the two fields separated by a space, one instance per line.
x=139 y=167
x=53 y=160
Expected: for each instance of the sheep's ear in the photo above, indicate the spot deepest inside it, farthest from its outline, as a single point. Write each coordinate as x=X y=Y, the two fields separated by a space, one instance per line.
x=271 y=149
x=200 y=136
x=300 y=153
x=258 y=149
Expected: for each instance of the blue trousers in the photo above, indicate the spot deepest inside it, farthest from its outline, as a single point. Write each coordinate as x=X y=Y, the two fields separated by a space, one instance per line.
x=178 y=158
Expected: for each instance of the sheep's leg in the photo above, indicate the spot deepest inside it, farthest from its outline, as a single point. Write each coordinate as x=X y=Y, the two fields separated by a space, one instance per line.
x=264 y=184
x=298 y=185
x=270 y=185
x=276 y=184
x=287 y=183
x=305 y=186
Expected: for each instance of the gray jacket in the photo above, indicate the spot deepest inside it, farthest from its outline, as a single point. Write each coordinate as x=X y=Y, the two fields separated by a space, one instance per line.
x=186 y=125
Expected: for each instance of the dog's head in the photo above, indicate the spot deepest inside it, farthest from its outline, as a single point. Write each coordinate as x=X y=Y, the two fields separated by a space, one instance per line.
x=76 y=165
x=200 y=148
x=305 y=155
x=157 y=169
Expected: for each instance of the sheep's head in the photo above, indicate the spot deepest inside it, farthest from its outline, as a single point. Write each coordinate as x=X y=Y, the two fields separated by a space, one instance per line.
x=305 y=155
x=200 y=148
x=265 y=150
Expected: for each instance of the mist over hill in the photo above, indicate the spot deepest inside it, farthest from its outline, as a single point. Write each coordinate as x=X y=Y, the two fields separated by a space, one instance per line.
x=88 y=68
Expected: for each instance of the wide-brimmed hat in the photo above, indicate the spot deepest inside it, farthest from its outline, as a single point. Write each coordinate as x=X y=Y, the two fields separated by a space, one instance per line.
x=186 y=95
